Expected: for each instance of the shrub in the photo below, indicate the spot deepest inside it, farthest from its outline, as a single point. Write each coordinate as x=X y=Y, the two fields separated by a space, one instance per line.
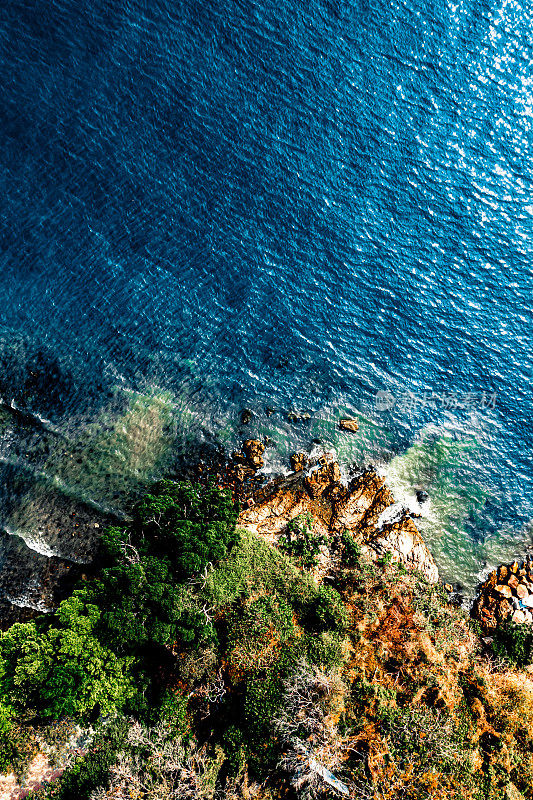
x=352 y=550
x=427 y=738
x=253 y=567
x=324 y=650
x=514 y=643
x=300 y=542
x=234 y=746
x=8 y=748
x=326 y=611
x=256 y=629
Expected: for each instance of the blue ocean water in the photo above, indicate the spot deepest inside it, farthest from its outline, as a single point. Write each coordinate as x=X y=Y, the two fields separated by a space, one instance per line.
x=209 y=206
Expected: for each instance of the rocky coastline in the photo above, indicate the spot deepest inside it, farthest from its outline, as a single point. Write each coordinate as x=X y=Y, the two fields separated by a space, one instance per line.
x=506 y=595
x=365 y=508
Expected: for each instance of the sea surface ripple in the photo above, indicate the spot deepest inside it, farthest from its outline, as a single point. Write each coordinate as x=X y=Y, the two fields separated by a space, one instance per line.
x=208 y=206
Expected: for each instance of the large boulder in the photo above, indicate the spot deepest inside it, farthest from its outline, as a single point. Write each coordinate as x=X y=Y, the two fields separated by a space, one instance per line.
x=403 y=541
x=352 y=505
x=324 y=475
x=506 y=592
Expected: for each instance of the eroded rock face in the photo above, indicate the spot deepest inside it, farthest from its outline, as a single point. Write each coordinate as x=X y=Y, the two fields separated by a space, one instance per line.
x=323 y=476
x=334 y=508
x=355 y=502
x=403 y=540
x=299 y=461
x=270 y=517
x=506 y=593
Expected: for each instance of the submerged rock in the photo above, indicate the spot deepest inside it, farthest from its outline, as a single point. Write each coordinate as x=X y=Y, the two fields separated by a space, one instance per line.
x=246 y=416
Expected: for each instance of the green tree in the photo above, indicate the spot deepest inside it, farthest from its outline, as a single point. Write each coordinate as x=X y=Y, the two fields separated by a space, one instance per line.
x=195 y=523
x=300 y=542
x=8 y=749
x=64 y=670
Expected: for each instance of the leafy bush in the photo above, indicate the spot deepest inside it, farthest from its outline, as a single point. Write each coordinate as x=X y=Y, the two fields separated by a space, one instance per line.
x=327 y=611
x=256 y=629
x=514 y=643
x=234 y=746
x=65 y=670
x=428 y=739
x=8 y=748
x=253 y=567
x=352 y=550
x=300 y=542
x=324 y=650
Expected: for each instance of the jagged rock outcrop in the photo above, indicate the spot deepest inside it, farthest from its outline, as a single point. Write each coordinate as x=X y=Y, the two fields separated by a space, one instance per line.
x=360 y=498
x=366 y=509
x=506 y=594
x=299 y=461
x=403 y=540
x=324 y=475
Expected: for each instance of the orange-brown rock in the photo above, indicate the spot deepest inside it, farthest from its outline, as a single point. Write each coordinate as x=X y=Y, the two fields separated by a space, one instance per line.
x=322 y=477
x=503 y=573
x=492 y=580
x=299 y=461
x=383 y=499
x=495 y=603
x=522 y=591
x=512 y=581
x=504 y=590
x=403 y=541
x=349 y=425
x=253 y=451
x=351 y=507
x=243 y=473
x=270 y=515
x=504 y=609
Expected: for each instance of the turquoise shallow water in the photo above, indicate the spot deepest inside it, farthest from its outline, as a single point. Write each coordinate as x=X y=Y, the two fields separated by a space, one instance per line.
x=212 y=206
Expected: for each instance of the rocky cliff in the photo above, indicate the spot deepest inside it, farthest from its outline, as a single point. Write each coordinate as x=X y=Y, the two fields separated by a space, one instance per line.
x=365 y=508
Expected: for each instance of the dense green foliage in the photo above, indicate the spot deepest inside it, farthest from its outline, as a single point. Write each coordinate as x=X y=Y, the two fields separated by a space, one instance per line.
x=99 y=652
x=300 y=542
x=64 y=669
x=514 y=643
x=8 y=750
